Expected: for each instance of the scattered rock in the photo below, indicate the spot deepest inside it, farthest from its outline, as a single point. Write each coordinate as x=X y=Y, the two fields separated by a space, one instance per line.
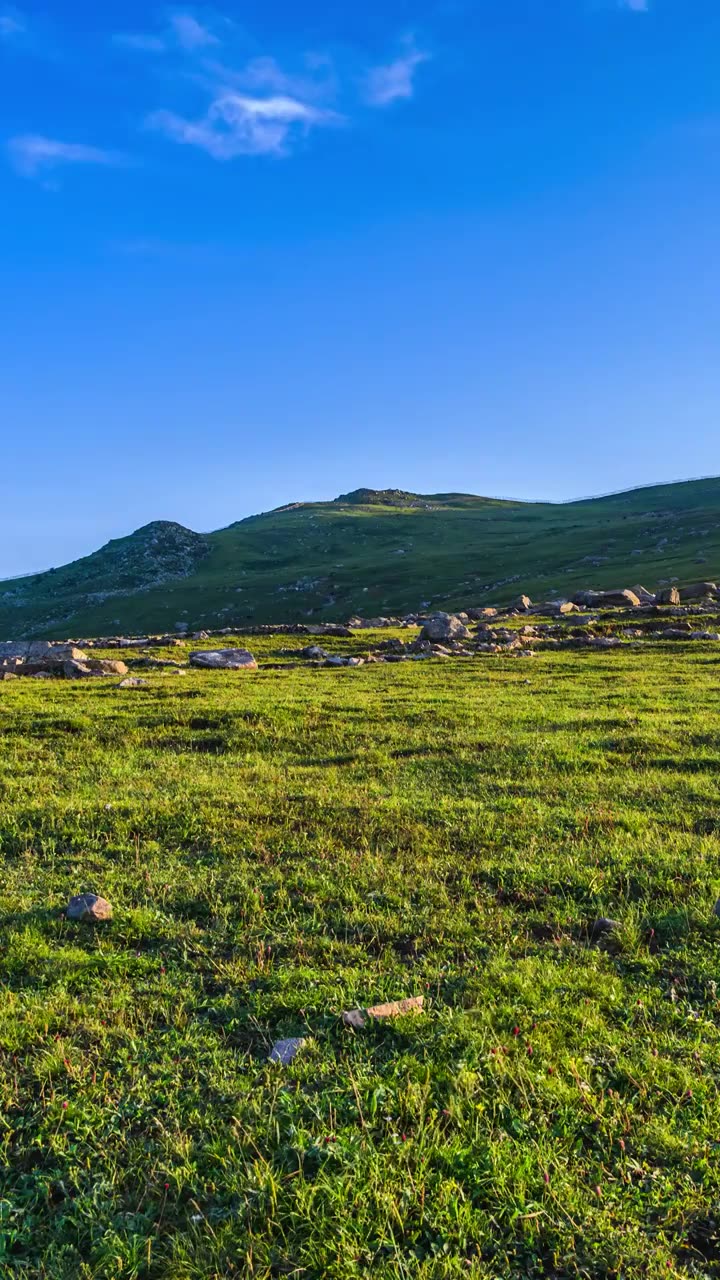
x=444 y=626
x=93 y=667
x=223 y=660
x=283 y=1051
x=522 y=603
x=698 y=591
x=668 y=595
x=315 y=652
x=618 y=599
x=133 y=682
x=88 y=908
x=603 y=927
x=357 y=1018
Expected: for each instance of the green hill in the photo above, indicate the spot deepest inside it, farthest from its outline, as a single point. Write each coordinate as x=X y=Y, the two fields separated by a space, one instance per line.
x=371 y=552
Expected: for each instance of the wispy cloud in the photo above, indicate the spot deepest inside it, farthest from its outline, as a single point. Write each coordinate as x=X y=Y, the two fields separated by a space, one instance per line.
x=32 y=154
x=264 y=74
x=182 y=30
x=138 y=40
x=11 y=24
x=237 y=125
x=191 y=34
x=393 y=81
x=635 y=6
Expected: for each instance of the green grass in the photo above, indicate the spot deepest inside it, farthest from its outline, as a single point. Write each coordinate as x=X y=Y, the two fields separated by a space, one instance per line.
x=326 y=561
x=282 y=846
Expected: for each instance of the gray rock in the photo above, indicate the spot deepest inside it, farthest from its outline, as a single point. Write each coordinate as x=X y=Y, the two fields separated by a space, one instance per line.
x=603 y=927
x=698 y=591
x=643 y=595
x=624 y=599
x=133 y=682
x=283 y=1051
x=314 y=651
x=522 y=603
x=223 y=660
x=444 y=626
x=88 y=908
x=668 y=595
x=93 y=667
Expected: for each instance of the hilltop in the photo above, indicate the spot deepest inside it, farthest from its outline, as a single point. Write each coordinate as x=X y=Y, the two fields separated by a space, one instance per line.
x=371 y=552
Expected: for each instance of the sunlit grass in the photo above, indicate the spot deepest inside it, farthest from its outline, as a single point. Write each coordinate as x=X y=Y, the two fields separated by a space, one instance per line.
x=282 y=846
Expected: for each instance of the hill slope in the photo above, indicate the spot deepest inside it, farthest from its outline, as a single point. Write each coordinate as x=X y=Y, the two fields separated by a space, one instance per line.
x=371 y=552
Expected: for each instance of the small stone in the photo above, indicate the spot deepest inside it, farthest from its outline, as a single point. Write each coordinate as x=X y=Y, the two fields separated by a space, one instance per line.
x=716 y=909
x=314 y=651
x=133 y=682
x=354 y=1018
x=88 y=908
x=394 y=1009
x=283 y=1051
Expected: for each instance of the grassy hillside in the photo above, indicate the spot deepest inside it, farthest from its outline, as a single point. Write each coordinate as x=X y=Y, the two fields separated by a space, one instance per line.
x=372 y=552
x=281 y=847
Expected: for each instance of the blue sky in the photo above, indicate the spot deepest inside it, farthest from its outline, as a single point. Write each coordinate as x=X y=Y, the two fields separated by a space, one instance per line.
x=255 y=253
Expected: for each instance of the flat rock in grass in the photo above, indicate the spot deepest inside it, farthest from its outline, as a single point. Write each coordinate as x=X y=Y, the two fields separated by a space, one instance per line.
x=604 y=927
x=283 y=1051
x=357 y=1018
x=94 y=667
x=88 y=908
x=224 y=659
x=133 y=682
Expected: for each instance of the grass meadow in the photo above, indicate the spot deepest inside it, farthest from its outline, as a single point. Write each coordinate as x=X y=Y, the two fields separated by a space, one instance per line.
x=282 y=846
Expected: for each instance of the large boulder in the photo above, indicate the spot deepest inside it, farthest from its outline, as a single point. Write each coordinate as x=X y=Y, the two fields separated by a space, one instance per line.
x=698 y=591
x=667 y=595
x=643 y=595
x=618 y=600
x=444 y=626
x=223 y=660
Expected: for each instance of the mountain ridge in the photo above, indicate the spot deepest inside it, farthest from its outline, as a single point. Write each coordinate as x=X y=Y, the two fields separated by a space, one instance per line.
x=370 y=551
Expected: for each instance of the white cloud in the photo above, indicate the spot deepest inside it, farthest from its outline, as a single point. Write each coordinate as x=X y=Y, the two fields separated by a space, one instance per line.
x=190 y=33
x=137 y=40
x=635 y=6
x=394 y=81
x=33 y=154
x=237 y=125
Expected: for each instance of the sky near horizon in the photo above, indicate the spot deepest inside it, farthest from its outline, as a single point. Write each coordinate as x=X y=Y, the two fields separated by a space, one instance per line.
x=255 y=253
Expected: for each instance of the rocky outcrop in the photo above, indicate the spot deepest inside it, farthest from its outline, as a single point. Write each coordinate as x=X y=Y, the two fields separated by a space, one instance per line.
x=44 y=658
